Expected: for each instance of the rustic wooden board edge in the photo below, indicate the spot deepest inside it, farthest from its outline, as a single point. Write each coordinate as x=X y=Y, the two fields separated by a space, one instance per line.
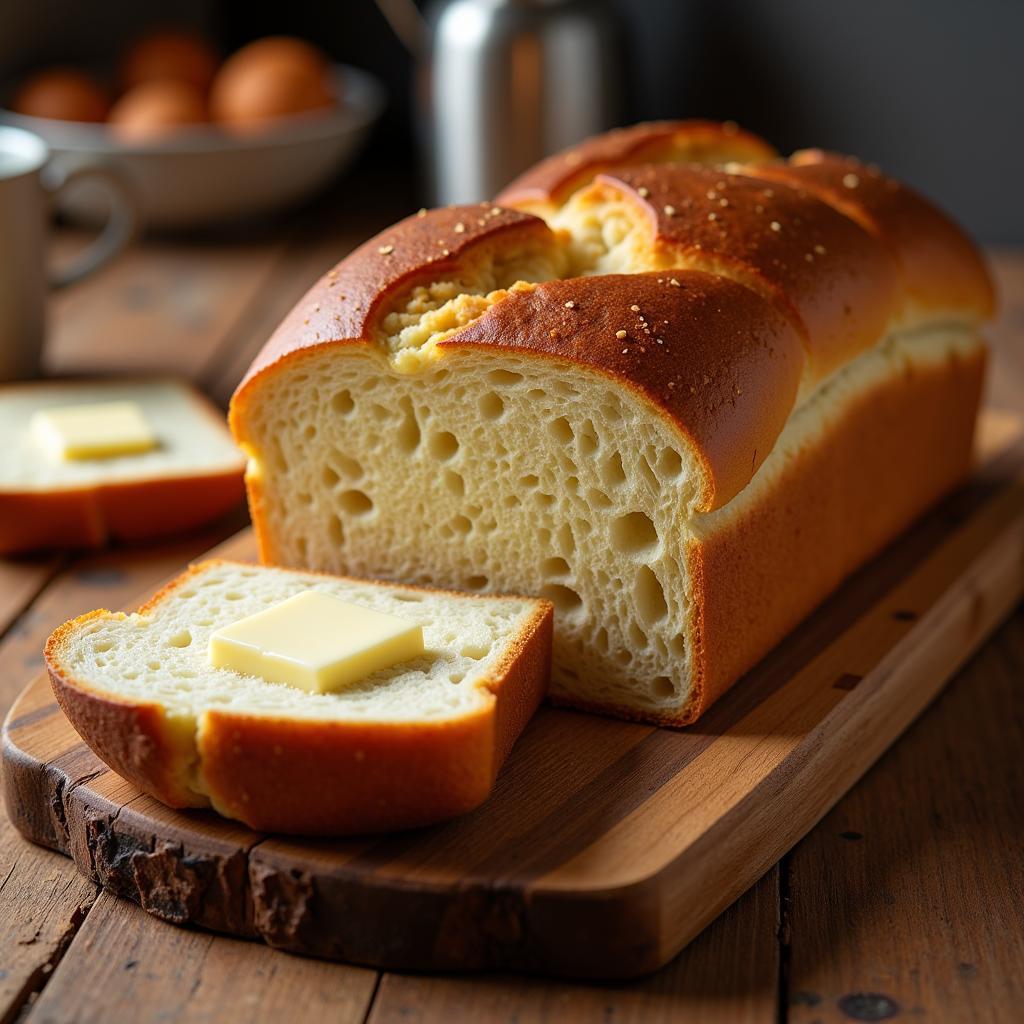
x=482 y=925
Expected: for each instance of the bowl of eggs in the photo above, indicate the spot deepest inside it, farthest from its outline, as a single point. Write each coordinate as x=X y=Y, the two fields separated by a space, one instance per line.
x=197 y=140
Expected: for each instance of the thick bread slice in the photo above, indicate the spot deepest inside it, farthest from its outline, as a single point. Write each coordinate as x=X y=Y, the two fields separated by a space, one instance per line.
x=193 y=476
x=682 y=406
x=407 y=746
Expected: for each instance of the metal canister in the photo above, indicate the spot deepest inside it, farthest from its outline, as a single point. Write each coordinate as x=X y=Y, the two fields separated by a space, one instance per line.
x=505 y=82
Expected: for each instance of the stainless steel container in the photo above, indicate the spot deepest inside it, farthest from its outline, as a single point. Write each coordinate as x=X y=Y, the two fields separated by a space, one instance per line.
x=505 y=82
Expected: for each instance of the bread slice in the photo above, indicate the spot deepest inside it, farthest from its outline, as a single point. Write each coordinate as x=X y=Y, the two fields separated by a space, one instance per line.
x=682 y=405
x=192 y=476
x=410 y=745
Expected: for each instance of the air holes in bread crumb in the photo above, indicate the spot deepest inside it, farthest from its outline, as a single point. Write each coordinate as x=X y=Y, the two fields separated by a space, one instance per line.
x=634 y=534
x=342 y=402
x=355 y=503
x=381 y=413
x=529 y=481
x=336 y=531
x=183 y=638
x=329 y=477
x=565 y=599
x=555 y=567
x=612 y=472
x=461 y=524
x=408 y=433
x=352 y=468
x=443 y=445
x=505 y=377
x=454 y=483
x=491 y=406
x=601 y=640
x=561 y=430
x=663 y=688
x=598 y=499
x=649 y=475
x=637 y=637
x=588 y=439
x=457 y=677
x=475 y=651
x=650 y=597
x=670 y=463
x=565 y=540
x=476 y=582
x=101 y=646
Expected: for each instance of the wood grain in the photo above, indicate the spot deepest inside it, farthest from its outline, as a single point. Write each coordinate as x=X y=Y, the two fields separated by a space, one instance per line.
x=599 y=855
x=123 y=965
x=935 y=835
x=43 y=900
x=167 y=309
x=727 y=975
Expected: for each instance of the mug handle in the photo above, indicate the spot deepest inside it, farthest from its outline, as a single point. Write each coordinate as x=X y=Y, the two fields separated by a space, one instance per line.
x=121 y=226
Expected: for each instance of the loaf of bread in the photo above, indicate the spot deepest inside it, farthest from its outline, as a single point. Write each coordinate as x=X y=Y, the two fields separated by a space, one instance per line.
x=408 y=745
x=192 y=474
x=682 y=402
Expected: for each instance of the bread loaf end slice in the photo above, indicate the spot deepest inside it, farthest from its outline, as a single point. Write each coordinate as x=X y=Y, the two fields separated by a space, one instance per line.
x=406 y=746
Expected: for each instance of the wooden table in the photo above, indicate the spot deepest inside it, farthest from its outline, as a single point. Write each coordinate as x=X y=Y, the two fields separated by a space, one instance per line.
x=906 y=901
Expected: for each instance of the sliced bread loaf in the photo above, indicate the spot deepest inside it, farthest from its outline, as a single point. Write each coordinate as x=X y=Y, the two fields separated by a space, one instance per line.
x=684 y=405
x=413 y=744
x=191 y=475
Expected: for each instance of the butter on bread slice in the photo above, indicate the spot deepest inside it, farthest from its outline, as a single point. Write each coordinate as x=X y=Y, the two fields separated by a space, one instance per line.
x=92 y=460
x=417 y=742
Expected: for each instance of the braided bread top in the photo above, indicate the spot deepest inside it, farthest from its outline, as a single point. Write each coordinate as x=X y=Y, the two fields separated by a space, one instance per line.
x=680 y=258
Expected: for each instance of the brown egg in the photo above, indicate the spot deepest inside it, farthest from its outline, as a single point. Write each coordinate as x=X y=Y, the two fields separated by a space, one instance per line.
x=64 y=94
x=169 y=53
x=268 y=79
x=156 y=109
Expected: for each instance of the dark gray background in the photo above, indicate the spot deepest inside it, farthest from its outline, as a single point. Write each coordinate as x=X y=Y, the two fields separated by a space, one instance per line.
x=933 y=90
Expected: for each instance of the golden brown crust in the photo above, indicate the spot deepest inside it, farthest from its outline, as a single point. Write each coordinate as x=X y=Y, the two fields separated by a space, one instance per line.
x=306 y=776
x=127 y=510
x=552 y=181
x=715 y=358
x=433 y=245
x=136 y=511
x=757 y=576
x=135 y=739
x=941 y=268
x=838 y=273
x=838 y=285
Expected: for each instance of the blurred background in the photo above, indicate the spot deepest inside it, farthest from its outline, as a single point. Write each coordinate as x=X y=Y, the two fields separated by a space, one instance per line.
x=932 y=90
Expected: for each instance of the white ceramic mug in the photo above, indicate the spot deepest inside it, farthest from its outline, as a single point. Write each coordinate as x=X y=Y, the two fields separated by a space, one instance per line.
x=28 y=183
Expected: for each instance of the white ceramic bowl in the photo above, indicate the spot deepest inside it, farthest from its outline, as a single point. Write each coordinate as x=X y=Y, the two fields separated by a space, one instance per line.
x=206 y=176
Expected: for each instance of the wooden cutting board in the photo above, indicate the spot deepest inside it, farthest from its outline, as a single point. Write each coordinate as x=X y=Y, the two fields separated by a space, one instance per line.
x=607 y=846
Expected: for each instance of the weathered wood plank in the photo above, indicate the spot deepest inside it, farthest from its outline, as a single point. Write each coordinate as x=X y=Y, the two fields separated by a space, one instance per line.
x=728 y=975
x=166 y=307
x=44 y=900
x=907 y=898
x=606 y=846
x=42 y=904
x=20 y=581
x=125 y=966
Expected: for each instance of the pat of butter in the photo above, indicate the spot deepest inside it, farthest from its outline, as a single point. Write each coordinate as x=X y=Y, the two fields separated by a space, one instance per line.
x=98 y=431
x=315 y=641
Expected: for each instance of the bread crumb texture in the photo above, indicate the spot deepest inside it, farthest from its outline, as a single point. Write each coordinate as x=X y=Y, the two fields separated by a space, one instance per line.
x=507 y=465
x=160 y=654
